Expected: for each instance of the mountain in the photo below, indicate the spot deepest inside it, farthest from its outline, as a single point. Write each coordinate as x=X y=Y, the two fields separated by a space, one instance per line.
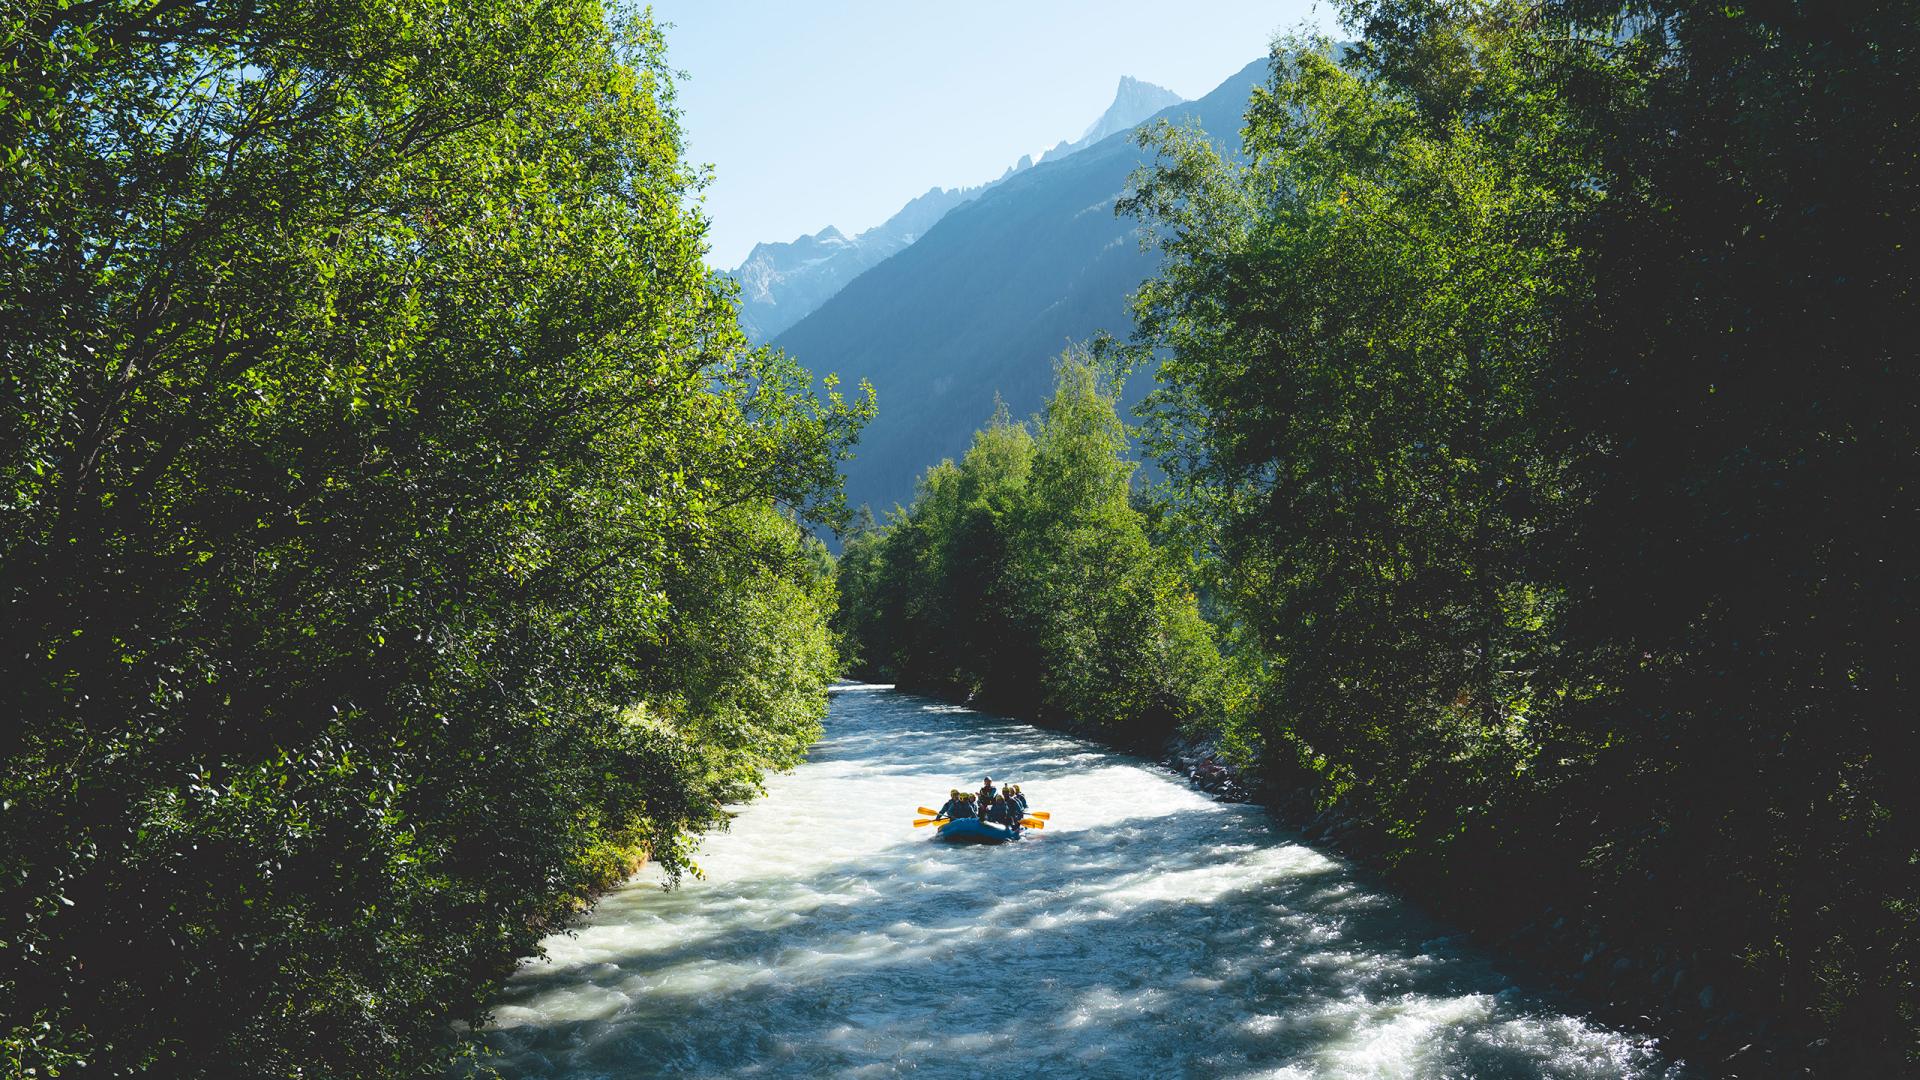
x=983 y=303
x=781 y=283
x=1132 y=103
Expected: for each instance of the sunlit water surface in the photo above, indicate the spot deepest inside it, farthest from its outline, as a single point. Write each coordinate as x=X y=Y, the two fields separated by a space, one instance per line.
x=1147 y=931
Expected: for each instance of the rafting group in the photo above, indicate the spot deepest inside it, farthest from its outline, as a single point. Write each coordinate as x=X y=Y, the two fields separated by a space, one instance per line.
x=990 y=815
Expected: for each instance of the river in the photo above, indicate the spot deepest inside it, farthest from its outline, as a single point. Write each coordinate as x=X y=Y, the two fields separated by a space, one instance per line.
x=1146 y=931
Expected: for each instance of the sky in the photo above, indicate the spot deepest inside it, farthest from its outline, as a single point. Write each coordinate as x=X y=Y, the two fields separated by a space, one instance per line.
x=836 y=113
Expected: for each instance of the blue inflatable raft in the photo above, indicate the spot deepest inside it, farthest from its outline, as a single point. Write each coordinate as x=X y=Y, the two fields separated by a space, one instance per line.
x=974 y=831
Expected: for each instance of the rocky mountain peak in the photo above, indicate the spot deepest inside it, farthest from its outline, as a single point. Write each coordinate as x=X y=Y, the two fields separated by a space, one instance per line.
x=784 y=282
x=1133 y=101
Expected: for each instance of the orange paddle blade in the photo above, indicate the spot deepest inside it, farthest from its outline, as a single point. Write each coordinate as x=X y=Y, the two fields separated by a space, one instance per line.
x=929 y=813
x=1040 y=814
x=931 y=821
x=1033 y=823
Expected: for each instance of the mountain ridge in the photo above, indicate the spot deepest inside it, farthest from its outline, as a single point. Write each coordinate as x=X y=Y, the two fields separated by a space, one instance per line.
x=988 y=297
x=781 y=282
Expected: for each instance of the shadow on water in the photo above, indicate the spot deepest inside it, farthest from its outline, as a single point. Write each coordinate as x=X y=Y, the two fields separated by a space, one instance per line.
x=1177 y=936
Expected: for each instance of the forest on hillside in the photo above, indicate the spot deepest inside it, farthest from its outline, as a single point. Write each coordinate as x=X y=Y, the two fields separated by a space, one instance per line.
x=1537 y=406
x=399 y=538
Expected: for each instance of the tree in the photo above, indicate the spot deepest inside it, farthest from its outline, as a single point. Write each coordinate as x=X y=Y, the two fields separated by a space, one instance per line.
x=1740 y=408
x=1534 y=394
x=388 y=488
x=1355 y=325
x=1023 y=578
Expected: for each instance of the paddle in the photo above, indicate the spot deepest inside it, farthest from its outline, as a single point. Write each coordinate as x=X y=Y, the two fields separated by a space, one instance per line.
x=1038 y=814
x=931 y=821
x=929 y=813
x=1033 y=823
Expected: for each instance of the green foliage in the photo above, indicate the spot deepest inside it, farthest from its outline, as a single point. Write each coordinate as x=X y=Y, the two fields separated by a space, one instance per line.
x=979 y=305
x=1355 y=326
x=1023 y=578
x=1740 y=406
x=1535 y=392
x=397 y=536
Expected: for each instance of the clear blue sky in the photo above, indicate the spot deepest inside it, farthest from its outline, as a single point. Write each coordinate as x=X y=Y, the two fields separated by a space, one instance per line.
x=837 y=113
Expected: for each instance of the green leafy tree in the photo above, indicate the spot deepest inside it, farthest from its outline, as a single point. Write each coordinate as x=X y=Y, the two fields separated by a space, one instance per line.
x=1116 y=622
x=390 y=503
x=1534 y=394
x=1023 y=578
x=1740 y=405
x=1355 y=323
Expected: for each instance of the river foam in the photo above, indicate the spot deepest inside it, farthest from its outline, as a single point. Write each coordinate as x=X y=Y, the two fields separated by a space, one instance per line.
x=1147 y=931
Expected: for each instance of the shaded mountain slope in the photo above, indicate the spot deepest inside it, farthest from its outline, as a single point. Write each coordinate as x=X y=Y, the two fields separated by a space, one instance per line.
x=782 y=283
x=988 y=297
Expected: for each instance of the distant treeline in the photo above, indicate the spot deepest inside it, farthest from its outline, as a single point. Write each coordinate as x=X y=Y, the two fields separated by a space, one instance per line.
x=1539 y=401
x=1024 y=578
x=398 y=540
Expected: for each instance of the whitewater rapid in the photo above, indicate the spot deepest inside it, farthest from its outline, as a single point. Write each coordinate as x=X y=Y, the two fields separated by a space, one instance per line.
x=1147 y=931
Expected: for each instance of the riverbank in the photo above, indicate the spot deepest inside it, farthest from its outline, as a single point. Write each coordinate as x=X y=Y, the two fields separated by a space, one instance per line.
x=1681 y=996
x=1151 y=928
x=1678 y=994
